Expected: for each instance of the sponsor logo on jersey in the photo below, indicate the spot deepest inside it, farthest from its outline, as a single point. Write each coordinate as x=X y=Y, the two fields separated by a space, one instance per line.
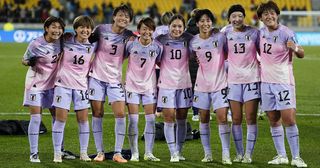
x=33 y=97
x=91 y=91
x=70 y=49
x=230 y=39
x=164 y=99
x=129 y=95
x=152 y=53
x=58 y=99
x=288 y=103
x=196 y=98
x=199 y=48
x=135 y=52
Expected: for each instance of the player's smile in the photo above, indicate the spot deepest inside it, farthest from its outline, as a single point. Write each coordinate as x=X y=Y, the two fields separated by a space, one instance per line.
x=176 y=28
x=270 y=19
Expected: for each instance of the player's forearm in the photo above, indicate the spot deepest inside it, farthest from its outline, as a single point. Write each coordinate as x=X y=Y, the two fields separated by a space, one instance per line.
x=299 y=51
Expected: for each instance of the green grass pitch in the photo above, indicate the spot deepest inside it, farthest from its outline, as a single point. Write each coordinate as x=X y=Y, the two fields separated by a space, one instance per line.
x=14 y=150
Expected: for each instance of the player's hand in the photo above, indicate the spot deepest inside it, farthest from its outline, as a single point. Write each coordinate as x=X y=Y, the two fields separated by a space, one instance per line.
x=32 y=61
x=291 y=45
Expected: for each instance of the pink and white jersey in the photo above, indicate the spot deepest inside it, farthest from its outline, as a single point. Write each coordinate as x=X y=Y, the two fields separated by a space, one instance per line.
x=141 y=75
x=107 y=64
x=42 y=75
x=211 y=75
x=242 y=55
x=276 y=58
x=174 y=73
x=75 y=64
x=163 y=29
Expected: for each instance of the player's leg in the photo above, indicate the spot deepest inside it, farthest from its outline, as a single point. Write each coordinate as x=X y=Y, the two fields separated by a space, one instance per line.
x=236 y=109
x=97 y=93
x=133 y=100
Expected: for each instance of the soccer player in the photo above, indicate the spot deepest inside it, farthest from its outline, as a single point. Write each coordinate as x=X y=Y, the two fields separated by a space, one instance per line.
x=71 y=85
x=141 y=85
x=210 y=48
x=41 y=56
x=175 y=96
x=105 y=78
x=277 y=45
x=243 y=80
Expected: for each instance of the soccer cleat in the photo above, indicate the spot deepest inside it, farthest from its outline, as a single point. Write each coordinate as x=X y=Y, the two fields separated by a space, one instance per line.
x=117 y=157
x=298 y=162
x=261 y=114
x=181 y=158
x=68 y=155
x=175 y=158
x=100 y=157
x=34 y=158
x=226 y=160
x=57 y=157
x=246 y=159
x=277 y=160
x=135 y=157
x=84 y=157
x=195 y=118
x=238 y=158
x=150 y=157
x=207 y=159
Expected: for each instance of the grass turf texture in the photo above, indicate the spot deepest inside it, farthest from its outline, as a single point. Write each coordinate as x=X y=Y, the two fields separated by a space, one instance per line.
x=15 y=149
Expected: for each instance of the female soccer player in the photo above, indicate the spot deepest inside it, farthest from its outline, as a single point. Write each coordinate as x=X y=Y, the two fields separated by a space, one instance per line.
x=42 y=56
x=243 y=79
x=71 y=86
x=210 y=48
x=175 y=95
x=141 y=85
x=277 y=45
x=105 y=78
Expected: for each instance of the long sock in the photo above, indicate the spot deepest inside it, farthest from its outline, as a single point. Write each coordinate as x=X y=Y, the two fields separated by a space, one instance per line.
x=57 y=135
x=252 y=131
x=33 y=132
x=224 y=133
x=169 y=135
x=237 y=137
x=133 y=132
x=97 y=133
x=120 y=132
x=205 y=137
x=278 y=140
x=292 y=133
x=84 y=133
x=181 y=132
x=149 y=133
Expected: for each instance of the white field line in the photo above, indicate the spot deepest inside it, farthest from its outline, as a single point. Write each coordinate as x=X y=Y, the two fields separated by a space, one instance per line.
x=141 y=113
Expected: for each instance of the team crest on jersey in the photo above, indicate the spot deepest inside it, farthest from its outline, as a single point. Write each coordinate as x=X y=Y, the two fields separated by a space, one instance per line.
x=91 y=91
x=88 y=49
x=185 y=44
x=275 y=39
x=215 y=44
x=152 y=53
x=33 y=97
x=164 y=99
x=129 y=95
x=247 y=38
x=196 y=98
x=58 y=99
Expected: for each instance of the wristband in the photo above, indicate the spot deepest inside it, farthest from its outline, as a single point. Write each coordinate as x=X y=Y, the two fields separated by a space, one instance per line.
x=296 y=49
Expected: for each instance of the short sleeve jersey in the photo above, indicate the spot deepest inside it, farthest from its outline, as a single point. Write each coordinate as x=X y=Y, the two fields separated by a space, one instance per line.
x=107 y=64
x=75 y=64
x=42 y=75
x=276 y=58
x=242 y=55
x=141 y=76
x=174 y=73
x=211 y=75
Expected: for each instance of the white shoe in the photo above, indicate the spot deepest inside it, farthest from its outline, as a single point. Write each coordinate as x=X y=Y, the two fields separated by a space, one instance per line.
x=68 y=155
x=226 y=160
x=100 y=157
x=181 y=158
x=246 y=159
x=135 y=157
x=195 y=118
x=277 y=160
x=84 y=157
x=150 y=157
x=207 y=159
x=238 y=158
x=298 y=162
x=57 y=157
x=261 y=114
x=34 y=158
x=175 y=158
